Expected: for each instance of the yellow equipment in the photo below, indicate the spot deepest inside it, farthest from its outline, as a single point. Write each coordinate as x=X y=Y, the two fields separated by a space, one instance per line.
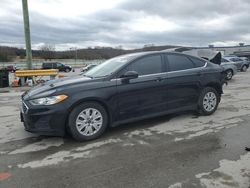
x=30 y=73
x=35 y=73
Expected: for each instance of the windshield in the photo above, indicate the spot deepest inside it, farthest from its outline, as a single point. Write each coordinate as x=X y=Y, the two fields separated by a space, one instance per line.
x=108 y=67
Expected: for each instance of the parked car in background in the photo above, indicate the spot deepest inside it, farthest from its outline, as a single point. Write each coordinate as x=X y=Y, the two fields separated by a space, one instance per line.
x=88 y=67
x=121 y=90
x=215 y=57
x=55 y=65
x=238 y=62
x=245 y=59
x=229 y=69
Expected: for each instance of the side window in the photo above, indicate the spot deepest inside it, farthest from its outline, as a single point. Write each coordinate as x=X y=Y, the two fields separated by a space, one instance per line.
x=235 y=59
x=179 y=62
x=147 y=65
x=49 y=65
x=198 y=62
x=224 y=60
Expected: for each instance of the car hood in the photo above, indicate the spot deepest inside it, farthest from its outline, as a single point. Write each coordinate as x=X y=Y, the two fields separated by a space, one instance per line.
x=51 y=87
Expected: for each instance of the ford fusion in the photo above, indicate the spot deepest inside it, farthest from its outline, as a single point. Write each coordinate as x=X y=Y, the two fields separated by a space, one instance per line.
x=121 y=90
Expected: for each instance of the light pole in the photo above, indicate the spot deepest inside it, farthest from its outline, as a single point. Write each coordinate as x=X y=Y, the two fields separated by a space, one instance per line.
x=27 y=34
x=75 y=57
x=75 y=48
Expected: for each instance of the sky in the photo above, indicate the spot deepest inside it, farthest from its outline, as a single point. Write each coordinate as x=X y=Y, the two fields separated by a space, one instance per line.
x=126 y=23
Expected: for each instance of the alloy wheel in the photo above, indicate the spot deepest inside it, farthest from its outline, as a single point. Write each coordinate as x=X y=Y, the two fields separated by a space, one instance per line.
x=89 y=121
x=229 y=75
x=209 y=101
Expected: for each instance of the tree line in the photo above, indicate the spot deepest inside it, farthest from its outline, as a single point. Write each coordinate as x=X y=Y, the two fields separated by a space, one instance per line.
x=48 y=52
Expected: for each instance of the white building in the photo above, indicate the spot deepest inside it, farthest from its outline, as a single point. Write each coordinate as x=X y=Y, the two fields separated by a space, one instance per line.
x=241 y=50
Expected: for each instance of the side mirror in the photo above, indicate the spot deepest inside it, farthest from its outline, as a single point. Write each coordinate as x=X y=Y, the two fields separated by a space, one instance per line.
x=130 y=75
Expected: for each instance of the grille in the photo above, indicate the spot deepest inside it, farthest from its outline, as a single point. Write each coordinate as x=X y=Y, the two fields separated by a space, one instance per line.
x=25 y=107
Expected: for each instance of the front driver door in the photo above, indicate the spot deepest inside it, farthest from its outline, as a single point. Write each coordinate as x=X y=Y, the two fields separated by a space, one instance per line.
x=144 y=95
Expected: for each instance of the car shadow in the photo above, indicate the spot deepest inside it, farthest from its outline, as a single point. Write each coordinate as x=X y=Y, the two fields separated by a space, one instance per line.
x=146 y=123
x=121 y=129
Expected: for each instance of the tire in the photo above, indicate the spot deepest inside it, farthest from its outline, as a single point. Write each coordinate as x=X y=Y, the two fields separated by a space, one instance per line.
x=244 y=68
x=208 y=101
x=229 y=74
x=67 y=70
x=87 y=127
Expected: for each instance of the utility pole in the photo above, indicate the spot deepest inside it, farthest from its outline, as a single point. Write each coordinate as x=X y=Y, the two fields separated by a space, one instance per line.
x=27 y=34
x=75 y=58
x=75 y=48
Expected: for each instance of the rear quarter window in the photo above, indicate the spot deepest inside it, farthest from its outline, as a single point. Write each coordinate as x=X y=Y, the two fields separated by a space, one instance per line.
x=197 y=62
x=178 y=62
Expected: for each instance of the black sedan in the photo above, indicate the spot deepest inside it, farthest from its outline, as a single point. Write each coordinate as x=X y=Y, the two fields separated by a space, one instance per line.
x=123 y=89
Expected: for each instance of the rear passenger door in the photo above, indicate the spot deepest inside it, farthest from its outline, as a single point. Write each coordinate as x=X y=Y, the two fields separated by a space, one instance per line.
x=183 y=80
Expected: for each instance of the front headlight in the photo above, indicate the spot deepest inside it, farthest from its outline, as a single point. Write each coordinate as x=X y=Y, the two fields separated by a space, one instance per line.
x=48 y=100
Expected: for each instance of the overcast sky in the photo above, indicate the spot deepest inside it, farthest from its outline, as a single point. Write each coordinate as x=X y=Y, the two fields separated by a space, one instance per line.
x=130 y=23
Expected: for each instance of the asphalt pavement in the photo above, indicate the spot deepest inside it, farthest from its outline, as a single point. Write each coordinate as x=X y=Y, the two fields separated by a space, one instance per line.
x=177 y=150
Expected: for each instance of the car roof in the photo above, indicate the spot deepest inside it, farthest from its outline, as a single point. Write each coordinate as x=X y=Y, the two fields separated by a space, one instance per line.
x=136 y=55
x=139 y=54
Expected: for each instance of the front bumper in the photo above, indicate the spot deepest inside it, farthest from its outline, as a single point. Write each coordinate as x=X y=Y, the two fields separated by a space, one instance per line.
x=44 y=120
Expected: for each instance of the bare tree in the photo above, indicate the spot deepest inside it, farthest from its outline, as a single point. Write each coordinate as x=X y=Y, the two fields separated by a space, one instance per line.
x=47 y=51
x=6 y=53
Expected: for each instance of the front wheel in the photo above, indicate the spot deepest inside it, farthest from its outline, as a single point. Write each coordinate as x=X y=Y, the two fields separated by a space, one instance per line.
x=229 y=74
x=244 y=68
x=87 y=121
x=208 y=101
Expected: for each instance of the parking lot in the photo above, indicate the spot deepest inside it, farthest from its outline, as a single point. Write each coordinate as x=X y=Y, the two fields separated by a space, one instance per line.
x=178 y=150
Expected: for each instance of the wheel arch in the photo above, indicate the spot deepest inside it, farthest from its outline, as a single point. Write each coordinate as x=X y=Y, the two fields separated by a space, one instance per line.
x=245 y=64
x=216 y=86
x=95 y=100
x=230 y=69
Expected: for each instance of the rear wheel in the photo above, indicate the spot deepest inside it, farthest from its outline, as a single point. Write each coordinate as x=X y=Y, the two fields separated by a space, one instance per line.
x=208 y=101
x=244 y=68
x=229 y=74
x=87 y=121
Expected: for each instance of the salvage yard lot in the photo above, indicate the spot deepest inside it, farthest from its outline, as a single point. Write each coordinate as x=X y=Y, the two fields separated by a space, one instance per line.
x=178 y=150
